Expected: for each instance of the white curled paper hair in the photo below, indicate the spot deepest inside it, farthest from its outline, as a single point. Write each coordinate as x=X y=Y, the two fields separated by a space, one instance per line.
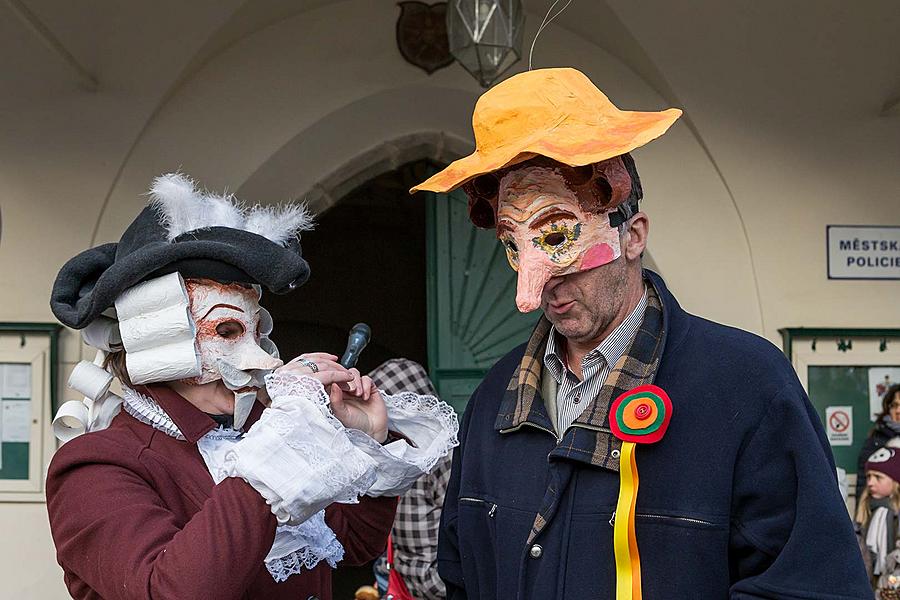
x=98 y=408
x=157 y=331
x=103 y=333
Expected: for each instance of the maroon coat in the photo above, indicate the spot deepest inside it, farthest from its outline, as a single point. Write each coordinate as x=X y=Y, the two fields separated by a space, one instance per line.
x=134 y=513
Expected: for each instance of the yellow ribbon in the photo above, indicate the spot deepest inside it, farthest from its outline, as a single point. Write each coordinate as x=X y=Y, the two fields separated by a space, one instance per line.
x=628 y=562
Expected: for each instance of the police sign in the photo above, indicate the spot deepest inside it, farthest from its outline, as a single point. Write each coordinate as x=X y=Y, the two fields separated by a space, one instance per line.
x=863 y=252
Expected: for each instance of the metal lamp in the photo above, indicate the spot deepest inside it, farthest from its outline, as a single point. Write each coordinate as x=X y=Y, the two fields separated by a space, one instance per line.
x=485 y=36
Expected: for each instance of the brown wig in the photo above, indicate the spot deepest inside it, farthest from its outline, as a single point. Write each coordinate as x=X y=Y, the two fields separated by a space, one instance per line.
x=115 y=364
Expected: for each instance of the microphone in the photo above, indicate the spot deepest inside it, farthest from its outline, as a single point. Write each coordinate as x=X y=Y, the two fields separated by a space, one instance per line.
x=357 y=340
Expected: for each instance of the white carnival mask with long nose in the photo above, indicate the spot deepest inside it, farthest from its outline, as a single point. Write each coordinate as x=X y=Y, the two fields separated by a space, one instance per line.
x=231 y=325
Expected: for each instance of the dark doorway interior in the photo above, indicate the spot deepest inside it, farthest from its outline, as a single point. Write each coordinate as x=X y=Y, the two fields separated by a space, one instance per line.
x=368 y=263
x=367 y=256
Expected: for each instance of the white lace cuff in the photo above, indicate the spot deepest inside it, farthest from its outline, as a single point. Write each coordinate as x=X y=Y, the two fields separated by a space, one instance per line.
x=295 y=457
x=303 y=546
x=429 y=423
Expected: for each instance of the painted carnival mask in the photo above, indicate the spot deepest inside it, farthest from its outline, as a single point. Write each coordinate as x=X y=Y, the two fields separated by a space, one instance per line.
x=547 y=232
x=231 y=332
x=228 y=319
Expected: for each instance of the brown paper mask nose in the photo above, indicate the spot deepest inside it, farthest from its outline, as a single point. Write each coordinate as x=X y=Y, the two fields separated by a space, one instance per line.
x=532 y=279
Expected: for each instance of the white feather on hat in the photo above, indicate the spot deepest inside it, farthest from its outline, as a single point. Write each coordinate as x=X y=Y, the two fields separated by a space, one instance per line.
x=183 y=208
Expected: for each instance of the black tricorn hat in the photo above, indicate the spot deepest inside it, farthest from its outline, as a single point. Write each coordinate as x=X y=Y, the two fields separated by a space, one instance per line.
x=198 y=234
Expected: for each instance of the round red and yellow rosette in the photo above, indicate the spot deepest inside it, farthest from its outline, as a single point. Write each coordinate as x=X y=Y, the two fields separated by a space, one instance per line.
x=639 y=416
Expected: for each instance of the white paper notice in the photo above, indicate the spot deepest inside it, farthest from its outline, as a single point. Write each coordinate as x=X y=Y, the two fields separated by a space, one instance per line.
x=839 y=425
x=16 y=425
x=16 y=380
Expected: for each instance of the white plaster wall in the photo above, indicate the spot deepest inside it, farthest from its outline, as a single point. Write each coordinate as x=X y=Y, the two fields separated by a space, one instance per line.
x=788 y=99
x=28 y=566
x=60 y=148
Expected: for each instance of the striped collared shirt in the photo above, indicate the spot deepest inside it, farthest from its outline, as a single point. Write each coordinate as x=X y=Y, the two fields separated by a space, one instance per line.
x=572 y=395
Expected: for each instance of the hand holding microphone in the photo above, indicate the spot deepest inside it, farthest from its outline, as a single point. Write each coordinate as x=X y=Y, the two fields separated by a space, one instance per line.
x=354 y=399
x=316 y=362
x=367 y=411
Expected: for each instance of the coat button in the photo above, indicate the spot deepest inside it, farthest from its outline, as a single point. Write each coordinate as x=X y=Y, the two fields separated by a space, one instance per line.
x=313 y=598
x=536 y=551
x=615 y=453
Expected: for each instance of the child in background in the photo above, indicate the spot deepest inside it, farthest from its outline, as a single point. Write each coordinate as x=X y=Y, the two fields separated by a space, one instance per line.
x=877 y=512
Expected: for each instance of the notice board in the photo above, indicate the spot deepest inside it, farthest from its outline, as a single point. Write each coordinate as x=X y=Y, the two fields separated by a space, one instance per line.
x=845 y=372
x=28 y=359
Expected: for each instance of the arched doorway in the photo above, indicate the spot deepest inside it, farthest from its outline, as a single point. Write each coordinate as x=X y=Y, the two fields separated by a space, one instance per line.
x=432 y=288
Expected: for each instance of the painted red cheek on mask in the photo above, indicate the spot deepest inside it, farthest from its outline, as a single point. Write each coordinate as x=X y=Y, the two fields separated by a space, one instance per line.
x=597 y=255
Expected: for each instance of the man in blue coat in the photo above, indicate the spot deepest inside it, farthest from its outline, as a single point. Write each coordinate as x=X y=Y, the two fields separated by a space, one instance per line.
x=737 y=496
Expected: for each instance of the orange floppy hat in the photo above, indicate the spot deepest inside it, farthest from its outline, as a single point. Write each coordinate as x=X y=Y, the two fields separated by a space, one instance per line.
x=557 y=113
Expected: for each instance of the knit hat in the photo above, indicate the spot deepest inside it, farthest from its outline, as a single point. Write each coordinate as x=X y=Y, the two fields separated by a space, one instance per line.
x=885 y=460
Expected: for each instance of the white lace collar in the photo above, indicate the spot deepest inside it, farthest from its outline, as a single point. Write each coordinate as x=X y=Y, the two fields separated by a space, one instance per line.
x=148 y=411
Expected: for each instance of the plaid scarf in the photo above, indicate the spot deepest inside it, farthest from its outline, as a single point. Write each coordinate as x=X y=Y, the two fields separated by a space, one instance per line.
x=589 y=439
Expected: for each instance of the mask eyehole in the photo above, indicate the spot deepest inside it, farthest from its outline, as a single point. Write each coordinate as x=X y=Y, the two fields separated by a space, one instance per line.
x=554 y=239
x=230 y=329
x=579 y=175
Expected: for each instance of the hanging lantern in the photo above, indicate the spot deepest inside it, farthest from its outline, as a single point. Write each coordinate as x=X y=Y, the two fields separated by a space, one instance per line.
x=485 y=36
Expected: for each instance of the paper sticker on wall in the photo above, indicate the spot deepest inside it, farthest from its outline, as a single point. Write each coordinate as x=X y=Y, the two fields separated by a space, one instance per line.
x=16 y=380
x=880 y=379
x=839 y=425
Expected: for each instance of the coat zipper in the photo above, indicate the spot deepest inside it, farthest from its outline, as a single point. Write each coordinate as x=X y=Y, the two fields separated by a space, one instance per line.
x=491 y=512
x=612 y=520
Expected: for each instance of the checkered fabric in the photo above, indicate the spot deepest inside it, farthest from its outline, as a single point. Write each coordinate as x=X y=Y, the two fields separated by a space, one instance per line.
x=415 y=532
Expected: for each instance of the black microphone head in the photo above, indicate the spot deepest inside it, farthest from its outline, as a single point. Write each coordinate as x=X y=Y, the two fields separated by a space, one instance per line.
x=358 y=339
x=362 y=329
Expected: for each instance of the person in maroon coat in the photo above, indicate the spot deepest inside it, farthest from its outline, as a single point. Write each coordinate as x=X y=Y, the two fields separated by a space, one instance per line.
x=220 y=472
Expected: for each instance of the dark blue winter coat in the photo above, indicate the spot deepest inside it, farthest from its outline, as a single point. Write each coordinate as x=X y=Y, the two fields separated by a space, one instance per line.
x=738 y=500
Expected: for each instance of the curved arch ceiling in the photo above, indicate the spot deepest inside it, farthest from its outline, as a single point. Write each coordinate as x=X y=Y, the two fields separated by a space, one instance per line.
x=236 y=92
